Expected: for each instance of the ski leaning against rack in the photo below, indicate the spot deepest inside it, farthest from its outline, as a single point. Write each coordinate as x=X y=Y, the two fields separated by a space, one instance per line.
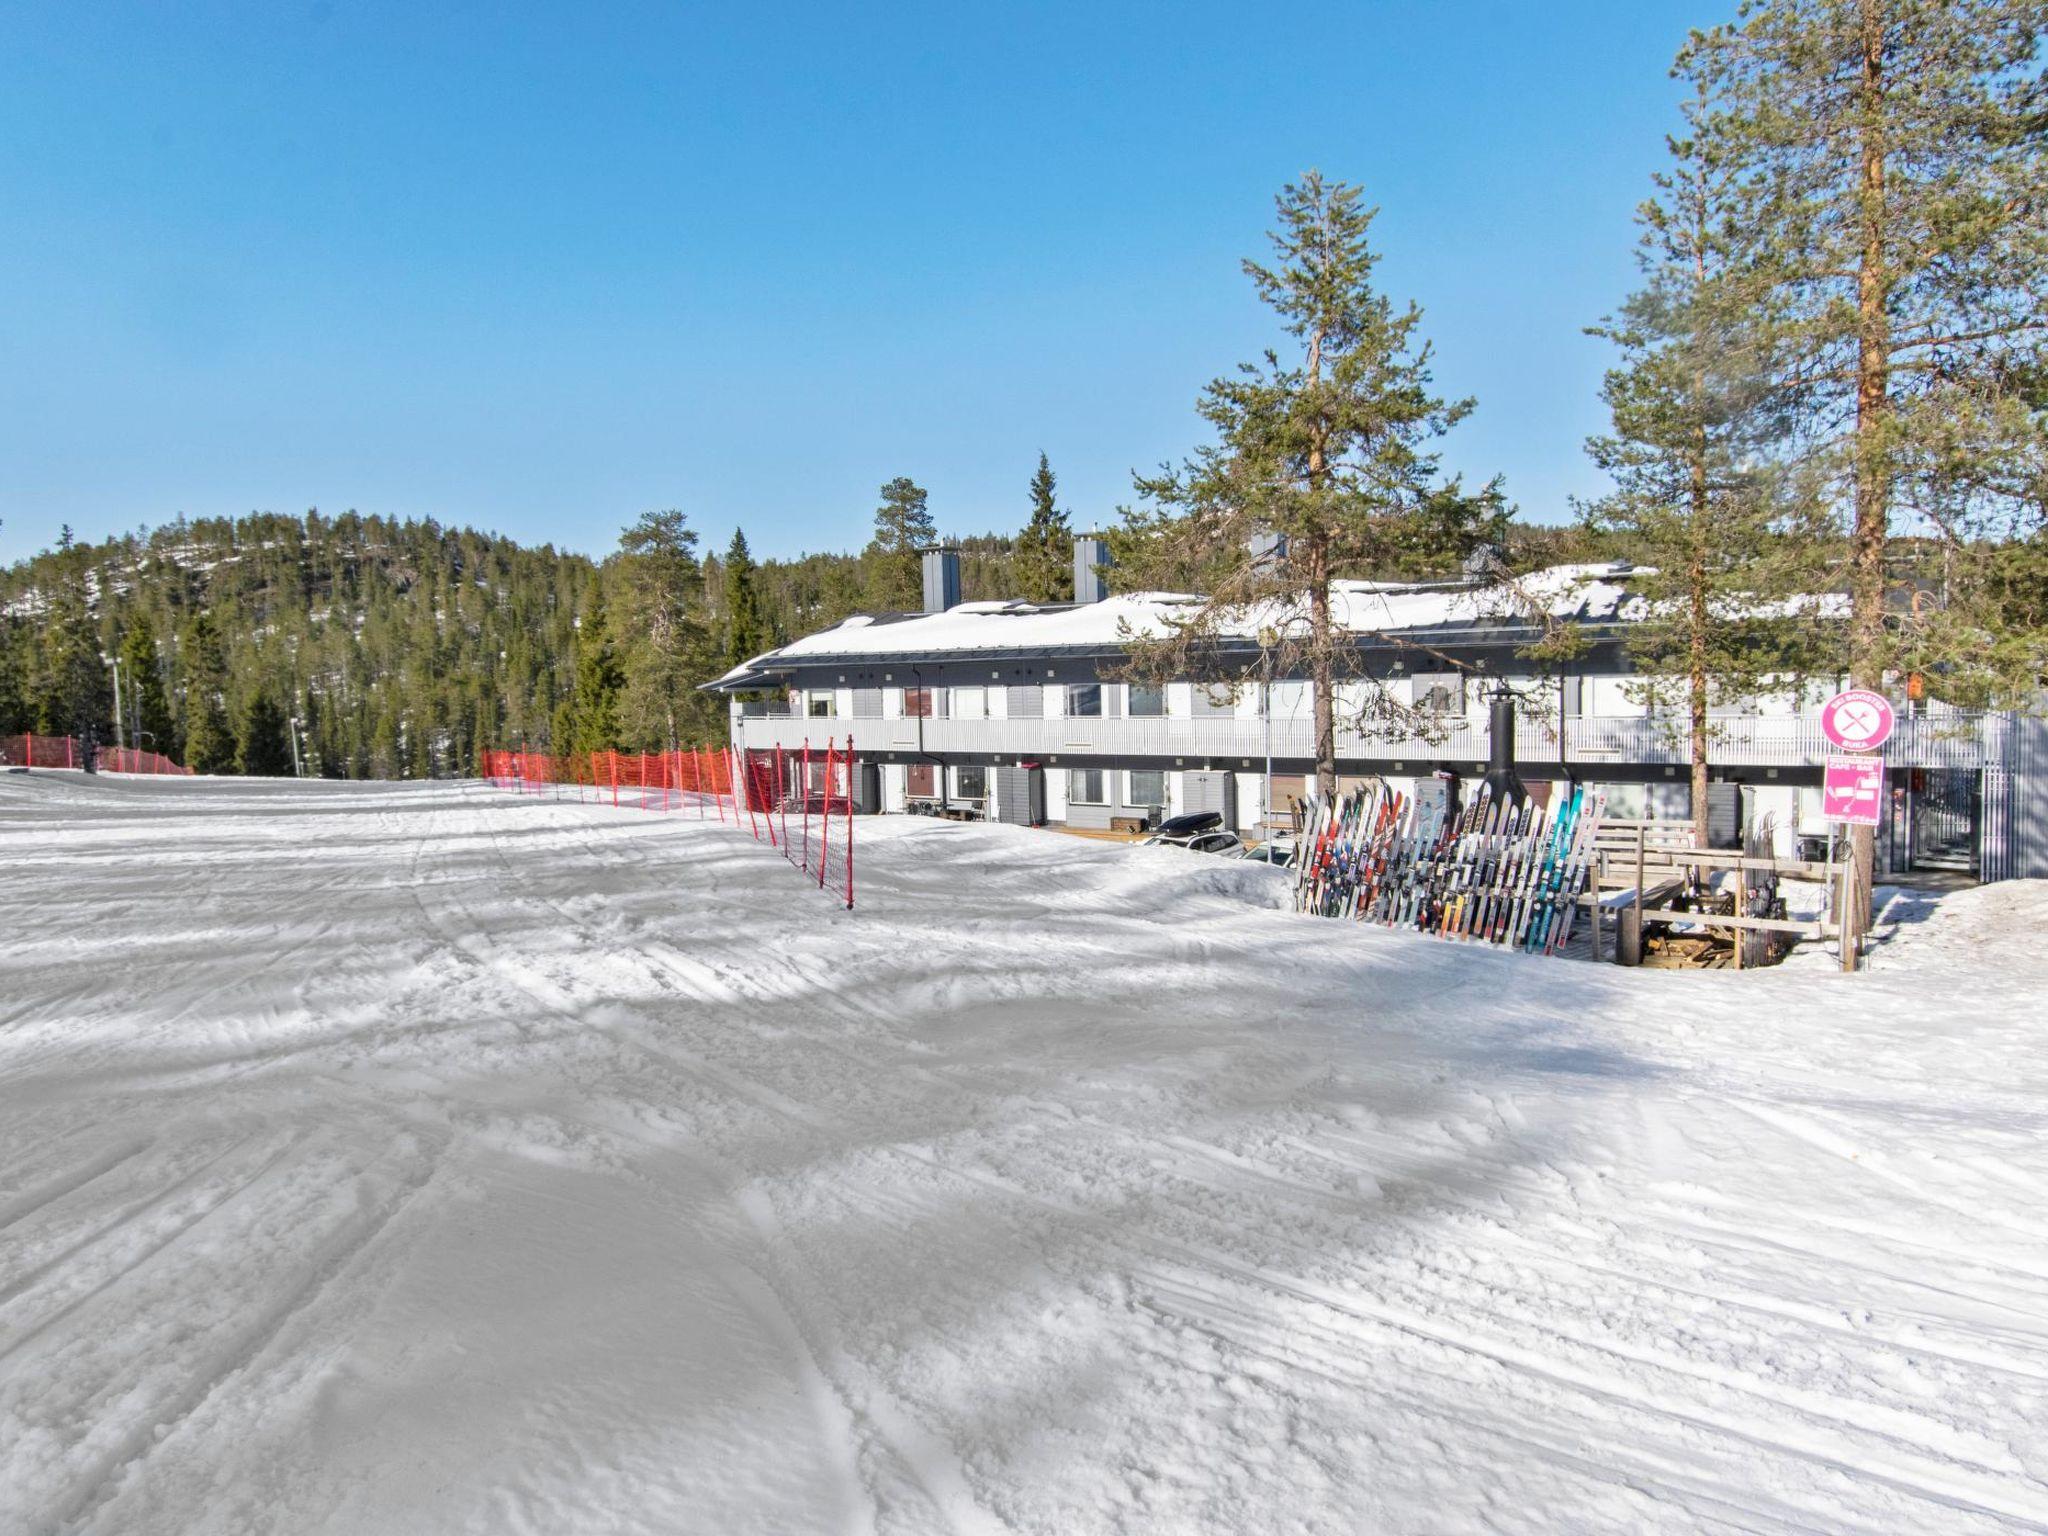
x=1544 y=909
x=1498 y=870
x=1584 y=852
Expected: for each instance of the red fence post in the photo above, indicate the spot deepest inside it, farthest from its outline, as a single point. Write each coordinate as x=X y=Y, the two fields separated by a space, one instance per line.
x=850 y=760
x=743 y=792
x=824 y=818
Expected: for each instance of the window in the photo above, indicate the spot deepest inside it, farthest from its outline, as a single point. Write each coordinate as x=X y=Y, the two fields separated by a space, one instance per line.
x=1214 y=700
x=970 y=783
x=1147 y=787
x=970 y=704
x=1084 y=787
x=820 y=706
x=1440 y=694
x=917 y=703
x=1084 y=699
x=1147 y=699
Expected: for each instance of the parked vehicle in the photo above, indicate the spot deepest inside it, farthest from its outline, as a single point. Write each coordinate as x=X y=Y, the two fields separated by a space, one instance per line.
x=1178 y=829
x=1279 y=855
x=1198 y=832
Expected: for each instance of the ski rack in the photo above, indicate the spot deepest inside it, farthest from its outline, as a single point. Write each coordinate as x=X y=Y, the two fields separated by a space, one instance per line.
x=1505 y=872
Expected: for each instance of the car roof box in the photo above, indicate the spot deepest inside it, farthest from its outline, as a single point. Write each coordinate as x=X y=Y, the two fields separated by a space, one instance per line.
x=1192 y=822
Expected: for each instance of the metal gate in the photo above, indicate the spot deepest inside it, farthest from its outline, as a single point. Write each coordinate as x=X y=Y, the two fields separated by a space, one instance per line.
x=1935 y=818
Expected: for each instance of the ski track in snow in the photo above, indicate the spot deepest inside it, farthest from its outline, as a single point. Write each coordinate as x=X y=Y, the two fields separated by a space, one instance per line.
x=424 y=1158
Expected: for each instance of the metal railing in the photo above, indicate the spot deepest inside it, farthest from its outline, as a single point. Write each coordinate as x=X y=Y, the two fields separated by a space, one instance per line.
x=1961 y=741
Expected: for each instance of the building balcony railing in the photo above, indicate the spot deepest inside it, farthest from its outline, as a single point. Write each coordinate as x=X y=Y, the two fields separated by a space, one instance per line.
x=1963 y=741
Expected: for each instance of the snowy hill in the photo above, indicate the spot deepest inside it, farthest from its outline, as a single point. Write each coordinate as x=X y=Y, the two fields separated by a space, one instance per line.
x=380 y=1158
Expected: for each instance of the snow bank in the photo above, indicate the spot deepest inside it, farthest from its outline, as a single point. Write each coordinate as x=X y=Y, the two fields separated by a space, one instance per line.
x=380 y=1158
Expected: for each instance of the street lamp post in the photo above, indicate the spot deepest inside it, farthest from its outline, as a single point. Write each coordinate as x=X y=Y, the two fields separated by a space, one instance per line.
x=115 y=663
x=1269 y=641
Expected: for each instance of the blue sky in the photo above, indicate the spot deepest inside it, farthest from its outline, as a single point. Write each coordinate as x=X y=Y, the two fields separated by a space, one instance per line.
x=539 y=268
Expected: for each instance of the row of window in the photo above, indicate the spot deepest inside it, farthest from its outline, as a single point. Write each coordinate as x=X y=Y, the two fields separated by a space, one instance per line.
x=1142 y=786
x=1084 y=699
x=1432 y=695
x=1085 y=786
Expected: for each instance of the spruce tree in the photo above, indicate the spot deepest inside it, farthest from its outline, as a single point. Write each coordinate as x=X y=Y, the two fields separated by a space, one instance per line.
x=1894 y=154
x=1723 y=541
x=261 y=748
x=1044 y=554
x=594 y=706
x=74 y=694
x=745 y=635
x=903 y=526
x=1327 y=447
x=15 y=711
x=209 y=744
x=146 y=705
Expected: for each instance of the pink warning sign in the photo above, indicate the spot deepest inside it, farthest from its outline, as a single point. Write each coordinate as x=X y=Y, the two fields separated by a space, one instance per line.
x=1853 y=790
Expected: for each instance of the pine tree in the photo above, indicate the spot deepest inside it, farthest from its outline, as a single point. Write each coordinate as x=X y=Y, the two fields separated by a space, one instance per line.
x=665 y=648
x=745 y=634
x=1723 y=542
x=1894 y=155
x=146 y=705
x=260 y=745
x=209 y=745
x=1044 y=555
x=903 y=526
x=1326 y=449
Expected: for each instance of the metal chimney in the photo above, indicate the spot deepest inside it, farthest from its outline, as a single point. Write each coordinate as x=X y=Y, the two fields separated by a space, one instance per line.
x=1501 y=778
x=1267 y=548
x=1487 y=563
x=941 y=580
x=1091 y=554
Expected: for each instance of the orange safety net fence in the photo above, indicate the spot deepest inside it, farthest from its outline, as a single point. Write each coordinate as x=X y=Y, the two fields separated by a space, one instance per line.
x=32 y=750
x=799 y=803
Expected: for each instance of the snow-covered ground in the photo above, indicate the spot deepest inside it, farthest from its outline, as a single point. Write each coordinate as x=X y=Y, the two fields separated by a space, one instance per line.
x=416 y=1159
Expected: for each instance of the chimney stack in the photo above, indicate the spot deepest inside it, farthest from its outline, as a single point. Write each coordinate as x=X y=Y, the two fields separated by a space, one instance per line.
x=1267 y=549
x=941 y=580
x=1091 y=553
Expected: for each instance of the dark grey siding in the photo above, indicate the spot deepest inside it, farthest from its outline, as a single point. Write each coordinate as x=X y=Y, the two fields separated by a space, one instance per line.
x=2019 y=849
x=1020 y=796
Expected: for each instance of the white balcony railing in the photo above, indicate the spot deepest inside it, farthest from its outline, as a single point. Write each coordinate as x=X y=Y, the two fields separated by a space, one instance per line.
x=1777 y=741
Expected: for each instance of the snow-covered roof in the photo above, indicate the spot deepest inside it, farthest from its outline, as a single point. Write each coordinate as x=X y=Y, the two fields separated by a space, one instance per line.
x=1589 y=593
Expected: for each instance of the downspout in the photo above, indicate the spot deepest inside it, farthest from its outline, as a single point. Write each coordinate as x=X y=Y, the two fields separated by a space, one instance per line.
x=937 y=762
